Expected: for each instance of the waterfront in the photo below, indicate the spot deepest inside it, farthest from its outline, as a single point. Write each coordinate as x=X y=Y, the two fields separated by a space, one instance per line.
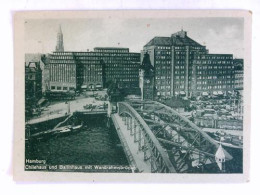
x=94 y=145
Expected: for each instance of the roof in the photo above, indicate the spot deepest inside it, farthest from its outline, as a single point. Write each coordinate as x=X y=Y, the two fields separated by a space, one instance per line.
x=162 y=41
x=55 y=58
x=122 y=48
x=33 y=57
x=30 y=69
x=220 y=153
x=184 y=41
x=178 y=39
x=176 y=103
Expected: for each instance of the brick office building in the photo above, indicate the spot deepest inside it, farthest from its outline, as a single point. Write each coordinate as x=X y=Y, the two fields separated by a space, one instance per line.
x=172 y=58
x=120 y=65
x=93 y=70
x=213 y=74
x=184 y=67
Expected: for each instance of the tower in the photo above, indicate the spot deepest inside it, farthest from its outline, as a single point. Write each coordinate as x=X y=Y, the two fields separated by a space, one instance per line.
x=146 y=78
x=220 y=158
x=59 y=46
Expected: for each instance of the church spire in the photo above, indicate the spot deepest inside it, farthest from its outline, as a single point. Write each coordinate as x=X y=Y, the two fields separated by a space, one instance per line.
x=60 y=31
x=59 y=46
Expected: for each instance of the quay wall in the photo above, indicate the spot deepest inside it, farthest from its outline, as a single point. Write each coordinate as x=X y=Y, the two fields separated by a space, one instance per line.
x=77 y=117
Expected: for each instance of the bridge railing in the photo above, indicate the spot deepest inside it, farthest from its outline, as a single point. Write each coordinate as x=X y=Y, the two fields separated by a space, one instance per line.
x=129 y=156
x=159 y=155
x=189 y=124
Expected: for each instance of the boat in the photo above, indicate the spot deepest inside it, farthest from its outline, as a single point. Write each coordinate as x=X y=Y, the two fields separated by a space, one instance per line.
x=41 y=135
x=65 y=130
x=68 y=129
x=62 y=130
x=56 y=132
x=76 y=128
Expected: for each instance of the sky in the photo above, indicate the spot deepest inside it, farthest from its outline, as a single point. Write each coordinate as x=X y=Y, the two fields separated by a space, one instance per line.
x=219 y=35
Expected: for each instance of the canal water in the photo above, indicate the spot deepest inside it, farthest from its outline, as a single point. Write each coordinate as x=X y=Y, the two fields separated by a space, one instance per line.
x=94 y=145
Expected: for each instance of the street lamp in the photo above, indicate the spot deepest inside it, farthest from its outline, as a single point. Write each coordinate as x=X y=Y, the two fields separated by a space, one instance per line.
x=68 y=102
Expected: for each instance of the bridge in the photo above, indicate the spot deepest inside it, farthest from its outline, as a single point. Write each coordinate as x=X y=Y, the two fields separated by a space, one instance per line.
x=157 y=139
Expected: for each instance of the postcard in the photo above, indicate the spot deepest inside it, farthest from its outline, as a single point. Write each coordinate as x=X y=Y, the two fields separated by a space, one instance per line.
x=132 y=96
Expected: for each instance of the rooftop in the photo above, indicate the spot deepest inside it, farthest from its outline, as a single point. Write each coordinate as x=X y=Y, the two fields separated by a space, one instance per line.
x=162 y=41
x=179 y=38
x=112 y=48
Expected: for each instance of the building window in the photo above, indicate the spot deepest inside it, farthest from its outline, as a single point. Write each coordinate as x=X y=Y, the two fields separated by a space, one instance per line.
x=52 y=87
x=58 y=88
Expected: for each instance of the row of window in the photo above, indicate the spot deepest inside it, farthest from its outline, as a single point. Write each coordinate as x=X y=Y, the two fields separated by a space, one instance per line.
x=180 y=82
x=218 y=72
x=163 y=47
x=112 y=50
x=122 y=66
x=164 y=93
x=180 y=57
x=160 y=52
x=179 y=67
x=215 y=87
x=59 y=61
x=107 y=54
x=162 y=62
x=162 y=82
x=179 y=77
x=179 y=72
x=239 y=76
x=212 y=62
x=95 y=54
x=216 y=57
x=162 y=67
x=61 y=88
x=212 y=81
x=163 y=87
x=58 y=57
x=179 y=86
x=180 y=52
x=161 y=57
x=214 y=67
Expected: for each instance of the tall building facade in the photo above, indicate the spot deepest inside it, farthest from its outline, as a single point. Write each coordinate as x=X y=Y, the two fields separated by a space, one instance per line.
x=120 y=65
x=213 y=74
x=94 y=70
x=239 y=74
x=181 y=65
x=63 y=71
x=172 y=59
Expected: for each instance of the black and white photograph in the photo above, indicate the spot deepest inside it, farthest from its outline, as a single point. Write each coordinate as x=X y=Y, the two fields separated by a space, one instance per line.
x=134 y=93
